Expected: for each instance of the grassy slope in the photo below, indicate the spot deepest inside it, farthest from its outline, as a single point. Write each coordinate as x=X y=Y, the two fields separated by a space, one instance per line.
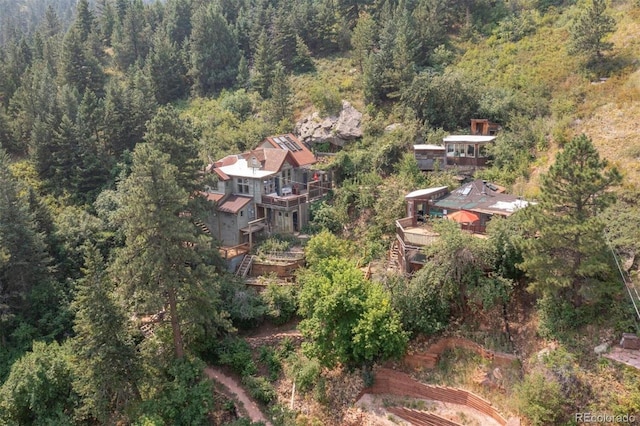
x=611 y=109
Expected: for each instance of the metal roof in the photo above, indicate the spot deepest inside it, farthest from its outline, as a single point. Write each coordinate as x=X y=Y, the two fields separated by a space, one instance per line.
x=478 y=197
x=429 y=147
x=423 y=192
x=468 y=138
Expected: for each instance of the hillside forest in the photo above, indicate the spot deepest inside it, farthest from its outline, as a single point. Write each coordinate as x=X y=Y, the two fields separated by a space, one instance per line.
x=110 y=111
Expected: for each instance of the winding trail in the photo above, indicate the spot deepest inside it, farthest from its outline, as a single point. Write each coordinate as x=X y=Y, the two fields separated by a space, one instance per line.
x=238 y=392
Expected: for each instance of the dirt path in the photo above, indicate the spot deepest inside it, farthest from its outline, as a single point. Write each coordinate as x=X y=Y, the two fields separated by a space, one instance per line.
x=230 y=383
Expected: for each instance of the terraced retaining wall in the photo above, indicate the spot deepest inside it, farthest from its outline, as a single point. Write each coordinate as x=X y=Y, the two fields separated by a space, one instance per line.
x=396 y=383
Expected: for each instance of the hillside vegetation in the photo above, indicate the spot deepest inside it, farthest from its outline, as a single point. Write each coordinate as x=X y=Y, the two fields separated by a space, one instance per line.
x=110 y=109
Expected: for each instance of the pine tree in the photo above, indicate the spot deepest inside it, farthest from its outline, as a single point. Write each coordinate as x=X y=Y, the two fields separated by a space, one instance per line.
x=23 y=258
x=283 y=40
x=106 y=364
x=161 y=263
x=166 y=69
x=364 y=39
x=170 y=134
x=280 y=102
x=302 y=61
x=131 y=39
x=588 y=30
x=84 y=22
x=566 y=255
x=177 y=21
x=79 y=67
x=214 y=52
x=243 y=78
x=263 y=66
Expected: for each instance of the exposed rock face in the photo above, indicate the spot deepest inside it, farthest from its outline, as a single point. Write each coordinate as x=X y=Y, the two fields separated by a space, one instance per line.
x=335 y=130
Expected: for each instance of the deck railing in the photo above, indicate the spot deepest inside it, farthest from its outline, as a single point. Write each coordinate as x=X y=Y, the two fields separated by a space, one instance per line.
x=412 y=239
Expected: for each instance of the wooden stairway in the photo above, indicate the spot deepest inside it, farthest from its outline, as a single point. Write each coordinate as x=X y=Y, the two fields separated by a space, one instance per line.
x=205 y=229
x=245 y=266
x=394 y=253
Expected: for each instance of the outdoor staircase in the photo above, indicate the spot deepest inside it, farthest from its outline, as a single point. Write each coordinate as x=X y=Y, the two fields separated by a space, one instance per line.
x=205 y=229
x=245 y=266
x=394 y=253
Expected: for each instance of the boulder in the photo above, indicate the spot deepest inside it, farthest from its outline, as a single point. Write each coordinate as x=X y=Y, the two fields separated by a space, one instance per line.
x=600 y=349
x=335 y=130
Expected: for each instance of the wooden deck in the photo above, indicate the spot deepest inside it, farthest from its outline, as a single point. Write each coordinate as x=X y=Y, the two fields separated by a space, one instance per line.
x=229 y=252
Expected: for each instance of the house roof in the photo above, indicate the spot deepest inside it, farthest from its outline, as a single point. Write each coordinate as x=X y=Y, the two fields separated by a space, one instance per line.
x=425 y=192
x=479 y=197
x=242 y=168
x=300 y=153
x=428 y=147
x=270 y=159
x=468 y=138
x=234 y=203
x=212 y=196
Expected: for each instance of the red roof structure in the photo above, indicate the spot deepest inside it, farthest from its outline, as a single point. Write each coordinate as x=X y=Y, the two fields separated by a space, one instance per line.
x=234 y=204
x=301 y=154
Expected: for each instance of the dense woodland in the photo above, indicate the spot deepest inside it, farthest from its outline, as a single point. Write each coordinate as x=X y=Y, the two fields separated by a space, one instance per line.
x=110 y=109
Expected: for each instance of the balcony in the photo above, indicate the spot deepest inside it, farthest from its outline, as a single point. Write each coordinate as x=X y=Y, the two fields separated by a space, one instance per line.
x=314 y=191
x=415 y=236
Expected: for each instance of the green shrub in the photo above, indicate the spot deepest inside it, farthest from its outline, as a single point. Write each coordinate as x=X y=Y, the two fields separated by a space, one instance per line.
x=236 y=353
x=274 y=244
x=326 y=99
x=259 y=389
x=540 y=399
x=304 y=371
x=270 y=359
x=281 y=302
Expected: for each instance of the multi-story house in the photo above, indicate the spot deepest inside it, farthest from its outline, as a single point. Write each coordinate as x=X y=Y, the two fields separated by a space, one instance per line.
x=268 y=188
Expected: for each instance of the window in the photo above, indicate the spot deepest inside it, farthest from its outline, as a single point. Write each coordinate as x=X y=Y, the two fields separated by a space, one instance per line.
x=241 y=212
x=269 y=186
x=286 y=177
x=243 y=185
x=470 y=151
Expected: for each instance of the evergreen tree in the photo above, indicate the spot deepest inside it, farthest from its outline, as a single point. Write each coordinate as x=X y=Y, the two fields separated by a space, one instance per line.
x=105 y=360
x=565 y=255
x=263 y=66
x=51 y=25
x=165 y=69
x=162 y=263
x=23 y=257
x=302 y=61
x=131 y=39
x=177 y=21
x=214 y=52
x=79 y=67
x=243 y=78
x=283 y=40
x=85 y=20
x=590 y=28
x=170 y=134
x=363 y=39
x=106 y=20
x=280 y=102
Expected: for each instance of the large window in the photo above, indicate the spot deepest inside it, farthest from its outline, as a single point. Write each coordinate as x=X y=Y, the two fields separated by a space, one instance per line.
x=269 y=186
x=243 y=185
x=470 y=151
x=286 y=177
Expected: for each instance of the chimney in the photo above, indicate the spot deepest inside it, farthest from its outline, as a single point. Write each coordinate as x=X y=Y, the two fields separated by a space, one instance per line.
x=484 y=187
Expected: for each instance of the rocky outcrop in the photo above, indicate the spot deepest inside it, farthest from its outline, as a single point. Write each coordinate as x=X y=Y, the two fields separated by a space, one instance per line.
x=336 y=130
